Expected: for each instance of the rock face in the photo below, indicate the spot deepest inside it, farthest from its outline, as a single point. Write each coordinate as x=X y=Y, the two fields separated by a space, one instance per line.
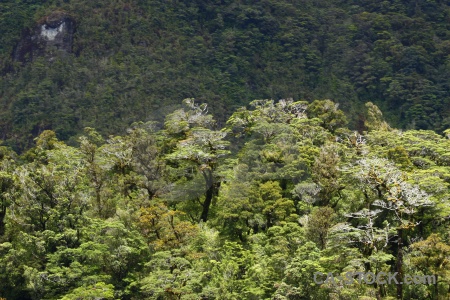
x=51 y=37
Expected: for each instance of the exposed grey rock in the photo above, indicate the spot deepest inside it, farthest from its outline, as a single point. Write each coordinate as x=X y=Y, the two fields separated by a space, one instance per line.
x=51 y=37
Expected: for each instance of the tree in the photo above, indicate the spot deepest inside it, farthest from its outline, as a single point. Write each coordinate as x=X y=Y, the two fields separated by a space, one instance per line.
x=170 y=276
x=148 y=158
x=298 y=281
x=7 y=165
x=397 y=197
x=319 y=223
x=165 y=228
x=106 y=260
x=326 y=173
x=198 y=146
x=52 y=189
x=229 y=272
x=328 y=113
x=374 y=119
x=432 y=257
x=99 y=290
x=89 y=146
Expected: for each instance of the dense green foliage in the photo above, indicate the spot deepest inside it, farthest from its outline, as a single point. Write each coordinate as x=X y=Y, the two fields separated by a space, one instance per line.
x=234 y=200
x=250 y=210
x=134 y=59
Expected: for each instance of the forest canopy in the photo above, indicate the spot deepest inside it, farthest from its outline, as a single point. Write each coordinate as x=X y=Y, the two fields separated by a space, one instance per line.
x=110 y=188
x=249 y=210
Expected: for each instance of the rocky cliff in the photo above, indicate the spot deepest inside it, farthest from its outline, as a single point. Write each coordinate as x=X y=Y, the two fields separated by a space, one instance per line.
x=50 y=37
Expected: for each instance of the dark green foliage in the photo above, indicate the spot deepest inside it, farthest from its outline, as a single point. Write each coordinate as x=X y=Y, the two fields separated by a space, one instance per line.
x=133 y=60
x=181 y=206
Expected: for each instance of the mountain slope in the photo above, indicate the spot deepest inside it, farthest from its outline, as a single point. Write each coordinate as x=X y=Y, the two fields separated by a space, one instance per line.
x=134 y=60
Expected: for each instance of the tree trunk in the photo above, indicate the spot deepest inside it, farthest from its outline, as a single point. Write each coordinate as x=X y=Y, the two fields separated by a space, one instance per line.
x=436 y=288
x=399 y=264
x=2 y=222
x=207 y=203
x=210 y=191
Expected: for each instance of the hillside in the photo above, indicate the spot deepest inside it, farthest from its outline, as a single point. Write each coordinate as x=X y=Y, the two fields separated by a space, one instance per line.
x=135 y=162
x=135 y=60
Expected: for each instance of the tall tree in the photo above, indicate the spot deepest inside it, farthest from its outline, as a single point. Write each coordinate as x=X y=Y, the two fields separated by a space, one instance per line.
x=198 y=146
x=7 y=165
x=397 y=197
